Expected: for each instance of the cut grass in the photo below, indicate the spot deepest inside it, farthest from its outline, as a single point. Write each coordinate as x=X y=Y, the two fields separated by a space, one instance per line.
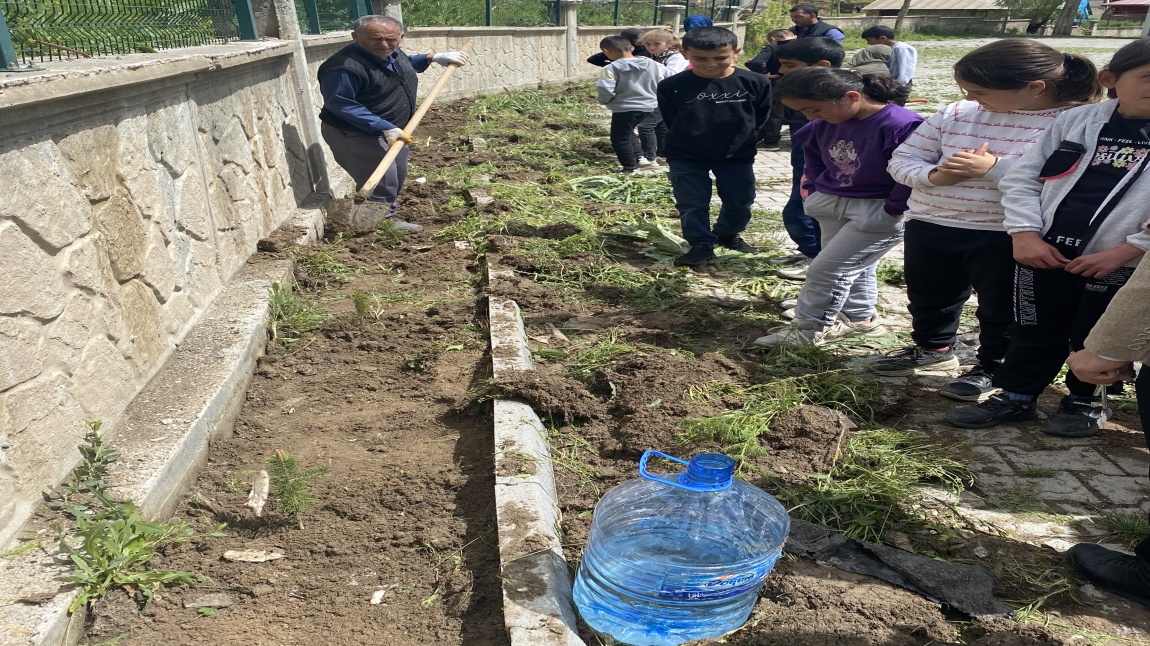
x=869 y=489
x=292 y=315
x=1130 y=529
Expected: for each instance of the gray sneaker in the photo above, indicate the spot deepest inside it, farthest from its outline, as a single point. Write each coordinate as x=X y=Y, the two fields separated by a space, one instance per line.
x=973 y=385
x=906 y=361
x=402 y=226
x=1076 y=417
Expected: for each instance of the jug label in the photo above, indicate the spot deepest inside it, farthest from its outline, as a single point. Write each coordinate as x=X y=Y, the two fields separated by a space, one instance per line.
x=708 y=587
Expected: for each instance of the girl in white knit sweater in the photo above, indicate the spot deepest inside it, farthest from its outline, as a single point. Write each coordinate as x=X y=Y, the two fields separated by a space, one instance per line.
x=955 y=242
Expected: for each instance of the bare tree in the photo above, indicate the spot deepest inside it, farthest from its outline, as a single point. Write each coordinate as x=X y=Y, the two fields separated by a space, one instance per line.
x=901 y=14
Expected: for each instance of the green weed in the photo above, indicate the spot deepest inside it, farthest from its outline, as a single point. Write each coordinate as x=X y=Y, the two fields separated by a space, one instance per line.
x=1128 y=528
x=891 y=272
x=291 y=485
x=110 y=542
x=292 y=315
x=323 y=266
x=20 y=549
x=586 y=361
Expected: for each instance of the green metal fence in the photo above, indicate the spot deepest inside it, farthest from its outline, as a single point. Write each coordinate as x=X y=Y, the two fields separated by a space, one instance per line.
x=44 y=30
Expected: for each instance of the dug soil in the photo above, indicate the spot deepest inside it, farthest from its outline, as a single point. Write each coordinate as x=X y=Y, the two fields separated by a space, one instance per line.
x=392 y=396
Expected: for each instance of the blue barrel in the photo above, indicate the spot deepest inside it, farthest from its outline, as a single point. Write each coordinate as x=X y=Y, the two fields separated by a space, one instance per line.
x=671 y=560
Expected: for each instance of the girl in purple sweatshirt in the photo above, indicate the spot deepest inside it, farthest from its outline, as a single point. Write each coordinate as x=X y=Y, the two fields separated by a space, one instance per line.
x=853 y=131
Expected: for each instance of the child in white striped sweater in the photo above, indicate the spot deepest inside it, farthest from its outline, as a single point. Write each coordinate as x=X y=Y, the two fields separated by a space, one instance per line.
x=955 y=241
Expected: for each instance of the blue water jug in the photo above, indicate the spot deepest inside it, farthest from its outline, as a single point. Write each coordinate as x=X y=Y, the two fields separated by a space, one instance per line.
x=669 y=561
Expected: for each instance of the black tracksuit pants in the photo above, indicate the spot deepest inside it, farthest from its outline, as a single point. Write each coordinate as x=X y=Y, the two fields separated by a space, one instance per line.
x=1054 y=311
x=943 y=264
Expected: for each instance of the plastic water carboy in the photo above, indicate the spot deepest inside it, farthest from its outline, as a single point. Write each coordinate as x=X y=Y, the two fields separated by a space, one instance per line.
x=671 y=560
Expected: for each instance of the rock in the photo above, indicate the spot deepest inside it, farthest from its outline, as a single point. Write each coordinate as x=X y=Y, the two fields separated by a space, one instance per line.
x=261 y=590
x=213 y=600
x=252 y=556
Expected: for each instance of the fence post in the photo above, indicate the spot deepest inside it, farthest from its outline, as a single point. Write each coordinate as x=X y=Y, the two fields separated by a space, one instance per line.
x=616 y=19
x=246 y=20
x=673 y=16
x=393 y=9
x=312 y=17
x=570 y=9
x=487 y=12
x=655 y=17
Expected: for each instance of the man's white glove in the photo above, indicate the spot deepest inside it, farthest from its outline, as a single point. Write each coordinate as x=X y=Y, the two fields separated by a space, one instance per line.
x=390 y=136
x=450 y=58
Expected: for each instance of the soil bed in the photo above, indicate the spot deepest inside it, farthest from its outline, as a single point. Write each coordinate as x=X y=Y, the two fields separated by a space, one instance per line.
x=392 y=395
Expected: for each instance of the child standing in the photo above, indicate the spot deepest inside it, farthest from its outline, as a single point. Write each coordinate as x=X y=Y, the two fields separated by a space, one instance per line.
x=663 y=47
x=627 y=87
x=903 y=57
x=1076 y=213
x=853 y=131
x=802 y=229
x=767 y=62
x=713 y=112
x=956 y=242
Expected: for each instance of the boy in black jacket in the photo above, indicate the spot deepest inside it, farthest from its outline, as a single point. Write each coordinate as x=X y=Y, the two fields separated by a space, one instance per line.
x=713 y=113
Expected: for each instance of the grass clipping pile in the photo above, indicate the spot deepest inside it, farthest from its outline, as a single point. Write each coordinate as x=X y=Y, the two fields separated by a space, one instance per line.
x=377 y=381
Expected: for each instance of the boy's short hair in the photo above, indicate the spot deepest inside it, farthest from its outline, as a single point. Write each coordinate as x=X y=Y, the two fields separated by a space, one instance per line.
x=618 y=44
x=805 y=8
x=779 y=33
x=812 y=50
x=710 y=38
x=878 y=31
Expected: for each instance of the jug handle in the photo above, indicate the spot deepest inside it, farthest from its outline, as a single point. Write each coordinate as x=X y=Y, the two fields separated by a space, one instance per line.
x=647 y=455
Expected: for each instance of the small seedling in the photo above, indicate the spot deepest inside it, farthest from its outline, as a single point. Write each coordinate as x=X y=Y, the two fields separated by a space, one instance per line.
x=362 y=305
x=292 y=315
x=206 y=612
x=291 y=490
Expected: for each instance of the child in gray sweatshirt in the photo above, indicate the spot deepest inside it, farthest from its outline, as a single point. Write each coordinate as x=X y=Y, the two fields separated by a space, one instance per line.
x=627 y=87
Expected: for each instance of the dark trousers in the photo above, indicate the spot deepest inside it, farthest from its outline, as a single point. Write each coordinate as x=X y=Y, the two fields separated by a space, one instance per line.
x=772 y=131
x=660 y=134
x=943 y=264
x=1054 y=311
x=359 y=154
x=691 y=184
x=801 y=228
x=626 y=145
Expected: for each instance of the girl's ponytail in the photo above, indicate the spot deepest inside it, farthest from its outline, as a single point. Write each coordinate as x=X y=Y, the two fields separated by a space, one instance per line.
x=883 y=88
x=1012 y=63
x=1080 y=83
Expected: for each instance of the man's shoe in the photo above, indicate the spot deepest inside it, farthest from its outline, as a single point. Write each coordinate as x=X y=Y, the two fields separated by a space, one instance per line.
x=1122 y=574
x=645 y=164
x=974 y=385
x=992 y=412
x=787 y=260
x=789 y=304
x=906 y=361
x=402 y=226
x=1076 y=417
x=736 y=243
x=797 y=271
x=796 y=334
x=699 y=254
x=871 y=329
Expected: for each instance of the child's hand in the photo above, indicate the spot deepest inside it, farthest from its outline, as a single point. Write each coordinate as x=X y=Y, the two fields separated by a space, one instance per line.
x=1103 y=263
x=803 y=193
x=940 y=177
x=1032 y=251
x=970 y=163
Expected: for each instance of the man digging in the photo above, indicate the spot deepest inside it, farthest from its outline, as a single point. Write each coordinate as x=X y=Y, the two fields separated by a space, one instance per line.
x=369 y=90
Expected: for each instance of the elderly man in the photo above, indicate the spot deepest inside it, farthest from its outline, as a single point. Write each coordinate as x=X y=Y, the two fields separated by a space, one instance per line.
x=369 y=90
x=807 y=24
x=1120 y=337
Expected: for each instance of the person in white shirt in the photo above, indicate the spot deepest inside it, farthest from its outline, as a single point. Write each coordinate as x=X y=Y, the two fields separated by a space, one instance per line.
x=903 y=57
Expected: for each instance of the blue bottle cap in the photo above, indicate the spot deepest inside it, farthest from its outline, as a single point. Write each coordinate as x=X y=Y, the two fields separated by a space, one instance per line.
x=705 y=471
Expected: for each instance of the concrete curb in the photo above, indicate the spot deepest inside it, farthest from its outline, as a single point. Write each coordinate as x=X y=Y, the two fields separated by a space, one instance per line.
x=162 y=438
x=537 y=606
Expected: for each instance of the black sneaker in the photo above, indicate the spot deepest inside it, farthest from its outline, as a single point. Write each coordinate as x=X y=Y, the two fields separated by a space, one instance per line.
x=901 y=363
x=971 y=386
x=992 y=412
x=1122 y=574
x=736 y=243
x=1076 y=417
x=699 y=254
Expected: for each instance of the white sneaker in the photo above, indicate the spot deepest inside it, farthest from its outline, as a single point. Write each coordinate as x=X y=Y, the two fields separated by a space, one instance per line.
x=788 y=313
x=647 y=165
x=871 y=329
x=787 y=260
x=793 y=334
x=789 y=304
x=797 y=271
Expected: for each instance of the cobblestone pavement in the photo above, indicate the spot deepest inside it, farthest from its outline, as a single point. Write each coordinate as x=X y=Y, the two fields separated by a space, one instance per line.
x=1064 y=485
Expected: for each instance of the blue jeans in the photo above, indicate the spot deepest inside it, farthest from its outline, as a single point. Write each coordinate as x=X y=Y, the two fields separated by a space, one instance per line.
x=802 y=228
x=691 y=185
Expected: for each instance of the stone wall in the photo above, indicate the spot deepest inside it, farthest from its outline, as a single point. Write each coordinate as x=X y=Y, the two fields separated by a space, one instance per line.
x=132 y=193
x=942 y=23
